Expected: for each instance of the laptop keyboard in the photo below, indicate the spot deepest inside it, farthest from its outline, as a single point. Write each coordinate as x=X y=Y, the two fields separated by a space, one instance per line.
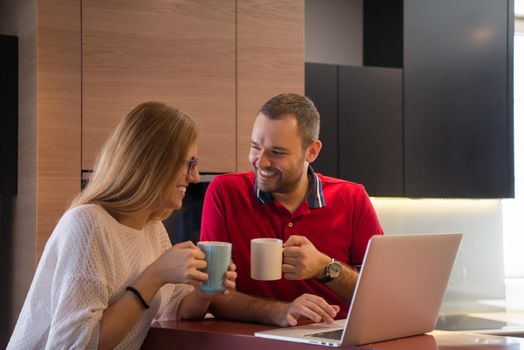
x=336 y=334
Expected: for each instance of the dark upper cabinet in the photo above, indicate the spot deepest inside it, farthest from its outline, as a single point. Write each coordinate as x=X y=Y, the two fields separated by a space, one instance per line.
x=458 y=98
x=439 y=127
x=370 y=128
x=382 y=32
x=321 y=87
x=361 y=124
x=9 y=103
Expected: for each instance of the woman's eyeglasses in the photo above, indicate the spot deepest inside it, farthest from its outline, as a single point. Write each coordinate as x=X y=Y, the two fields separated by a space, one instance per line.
x=191 y=166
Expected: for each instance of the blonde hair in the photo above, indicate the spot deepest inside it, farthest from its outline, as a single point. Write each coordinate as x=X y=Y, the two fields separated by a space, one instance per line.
x=140 y=159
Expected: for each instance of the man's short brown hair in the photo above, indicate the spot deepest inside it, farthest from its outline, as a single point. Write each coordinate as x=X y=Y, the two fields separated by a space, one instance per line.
x=299 y=106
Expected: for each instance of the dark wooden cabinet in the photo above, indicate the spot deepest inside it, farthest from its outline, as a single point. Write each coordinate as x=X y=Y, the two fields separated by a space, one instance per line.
x=370 y=128
x=439 y=127
x=321 y=87
x=9 y=103
x=458 y=123
x=9 y=174
x=361 y=124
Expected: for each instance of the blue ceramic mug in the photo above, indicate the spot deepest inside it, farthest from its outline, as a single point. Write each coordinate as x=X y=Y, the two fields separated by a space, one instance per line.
x=218 y=257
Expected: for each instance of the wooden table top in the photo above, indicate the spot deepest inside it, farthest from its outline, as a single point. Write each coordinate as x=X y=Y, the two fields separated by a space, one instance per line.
x=220 y=334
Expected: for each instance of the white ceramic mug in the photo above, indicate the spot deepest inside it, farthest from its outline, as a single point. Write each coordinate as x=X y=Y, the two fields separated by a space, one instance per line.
x=266 y=259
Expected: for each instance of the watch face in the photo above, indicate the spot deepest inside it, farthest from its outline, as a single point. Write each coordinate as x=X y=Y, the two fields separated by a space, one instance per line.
x=334 y=269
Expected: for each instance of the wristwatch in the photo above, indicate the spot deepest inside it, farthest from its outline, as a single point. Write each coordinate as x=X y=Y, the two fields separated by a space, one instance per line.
x=331 y=271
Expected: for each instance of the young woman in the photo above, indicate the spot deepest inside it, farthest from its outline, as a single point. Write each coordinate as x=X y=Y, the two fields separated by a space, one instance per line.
x=108 y=268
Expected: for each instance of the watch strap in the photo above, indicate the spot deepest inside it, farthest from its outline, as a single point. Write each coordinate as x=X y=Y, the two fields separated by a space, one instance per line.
x=327 y=277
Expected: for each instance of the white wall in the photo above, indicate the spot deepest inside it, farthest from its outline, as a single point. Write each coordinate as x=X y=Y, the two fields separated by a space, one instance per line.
x=477 y=281
x=514 y=208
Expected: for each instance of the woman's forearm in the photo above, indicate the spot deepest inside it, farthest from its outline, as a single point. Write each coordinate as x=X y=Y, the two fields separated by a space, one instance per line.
x=120 y=317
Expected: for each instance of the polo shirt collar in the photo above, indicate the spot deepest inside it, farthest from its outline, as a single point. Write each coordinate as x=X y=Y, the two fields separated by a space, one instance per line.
x=315 y=196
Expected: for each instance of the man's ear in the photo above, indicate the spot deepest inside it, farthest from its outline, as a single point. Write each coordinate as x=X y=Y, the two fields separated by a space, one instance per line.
x=313 y=150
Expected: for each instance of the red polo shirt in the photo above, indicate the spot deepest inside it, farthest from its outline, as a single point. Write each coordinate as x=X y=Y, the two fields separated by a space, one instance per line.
x=337 y=217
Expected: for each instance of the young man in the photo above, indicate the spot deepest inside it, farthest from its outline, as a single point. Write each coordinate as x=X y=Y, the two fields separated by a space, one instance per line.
x=324 y=222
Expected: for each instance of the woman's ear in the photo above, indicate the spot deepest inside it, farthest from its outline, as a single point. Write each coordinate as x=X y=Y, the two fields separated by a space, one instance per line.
x=313 y=150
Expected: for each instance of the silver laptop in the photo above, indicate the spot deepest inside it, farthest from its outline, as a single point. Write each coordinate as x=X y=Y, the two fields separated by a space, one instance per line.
x=398 y=293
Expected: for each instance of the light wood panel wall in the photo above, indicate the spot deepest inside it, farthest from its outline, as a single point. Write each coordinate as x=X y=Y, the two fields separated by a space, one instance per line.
x=58 y=112
x=178 y=52
x=270 y=39
x=98 y=59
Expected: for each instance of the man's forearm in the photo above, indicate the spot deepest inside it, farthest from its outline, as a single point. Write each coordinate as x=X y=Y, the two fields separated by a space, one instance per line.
x=193 y=306
x=243 y=307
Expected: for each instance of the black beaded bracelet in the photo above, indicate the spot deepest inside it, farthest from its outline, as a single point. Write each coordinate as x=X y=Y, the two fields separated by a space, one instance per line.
x=138 y=295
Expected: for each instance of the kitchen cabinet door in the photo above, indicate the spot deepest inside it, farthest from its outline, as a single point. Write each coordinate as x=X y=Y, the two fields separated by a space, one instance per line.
x=178 y=52
x=370 y=128
x=458 y=98
x=9 y=103
x=322 y=88
x=270 y=60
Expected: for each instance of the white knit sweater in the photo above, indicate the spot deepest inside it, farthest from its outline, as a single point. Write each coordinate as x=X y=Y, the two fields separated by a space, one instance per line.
x=87 y=263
